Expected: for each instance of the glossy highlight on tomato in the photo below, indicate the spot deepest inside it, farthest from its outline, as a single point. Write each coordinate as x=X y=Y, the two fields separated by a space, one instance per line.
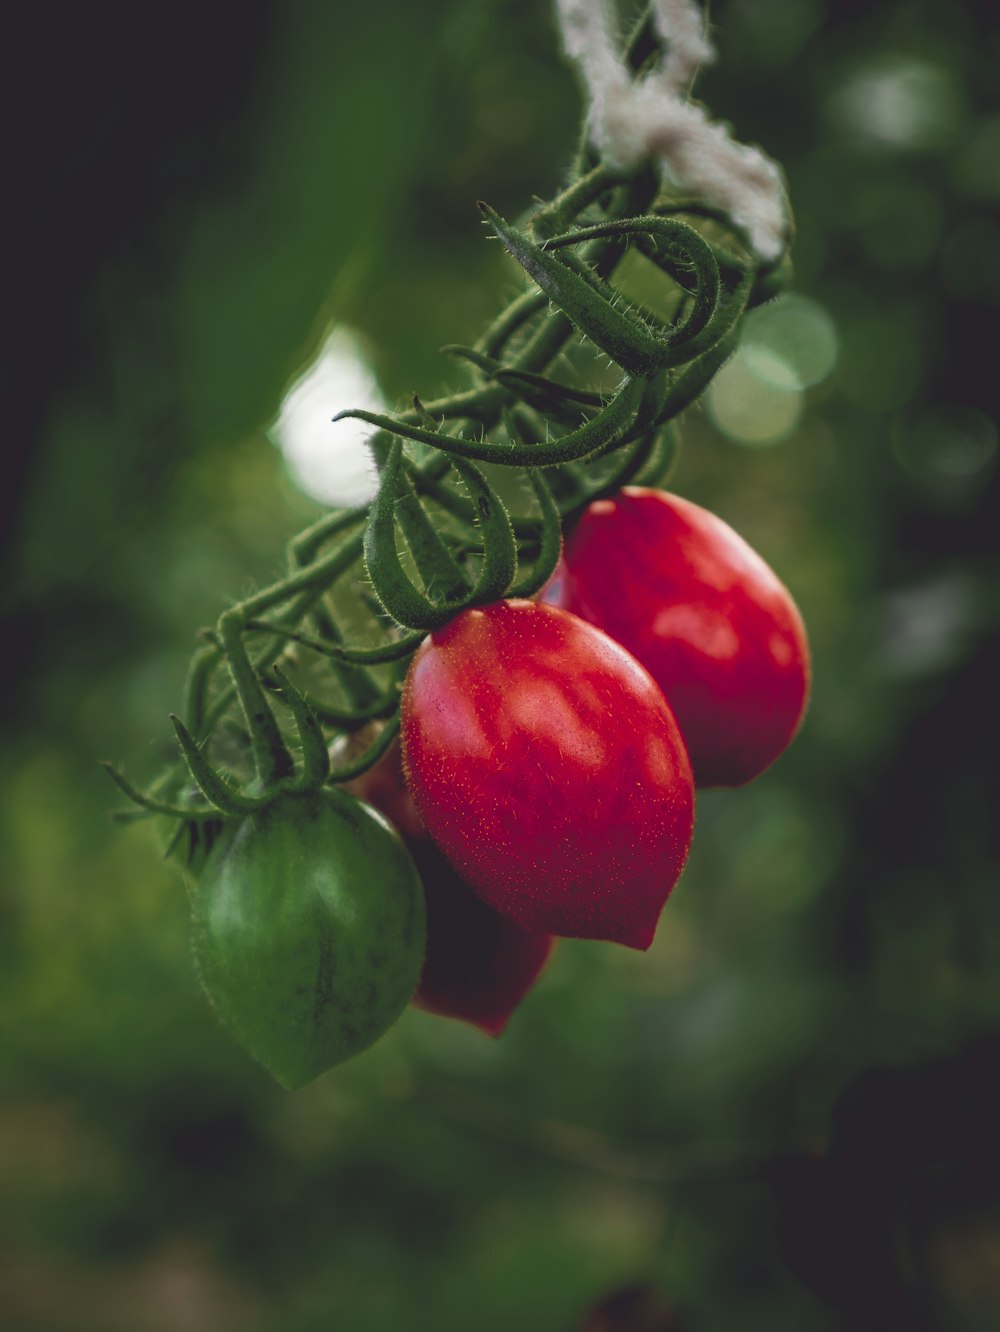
x=478 y=966
x=549 y=769
x=309 y=931
x=706 y=616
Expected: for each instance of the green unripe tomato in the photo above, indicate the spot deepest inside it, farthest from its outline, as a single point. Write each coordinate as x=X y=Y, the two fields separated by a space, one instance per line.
x=309 y=931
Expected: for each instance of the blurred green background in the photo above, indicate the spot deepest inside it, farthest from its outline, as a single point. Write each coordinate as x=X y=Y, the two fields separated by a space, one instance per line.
x=784 y=1116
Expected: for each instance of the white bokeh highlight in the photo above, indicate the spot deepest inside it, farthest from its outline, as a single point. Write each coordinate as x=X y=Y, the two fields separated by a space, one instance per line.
x=786 y=346
x=331 y=462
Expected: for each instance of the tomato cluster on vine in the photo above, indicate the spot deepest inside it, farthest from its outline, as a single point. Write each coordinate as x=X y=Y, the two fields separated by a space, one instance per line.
x=550 y=752
x=556 y=702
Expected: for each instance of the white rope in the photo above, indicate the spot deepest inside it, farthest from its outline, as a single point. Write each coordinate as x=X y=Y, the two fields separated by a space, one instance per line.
x=632 y=119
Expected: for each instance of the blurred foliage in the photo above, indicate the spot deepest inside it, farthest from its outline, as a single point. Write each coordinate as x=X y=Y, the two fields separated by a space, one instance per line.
x=785 y=1115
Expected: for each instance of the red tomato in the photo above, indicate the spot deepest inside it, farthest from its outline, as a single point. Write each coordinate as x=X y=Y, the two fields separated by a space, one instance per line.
x=478 y=965
x=705 y=615
x=548 y=768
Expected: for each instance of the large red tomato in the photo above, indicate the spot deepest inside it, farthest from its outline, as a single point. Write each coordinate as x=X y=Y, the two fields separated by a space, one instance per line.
x=547 y=766
x=706 y=616
x=478 y=965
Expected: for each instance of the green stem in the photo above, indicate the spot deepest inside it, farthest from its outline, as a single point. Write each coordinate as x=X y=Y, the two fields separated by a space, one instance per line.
x=369 y=656
x=270 y=753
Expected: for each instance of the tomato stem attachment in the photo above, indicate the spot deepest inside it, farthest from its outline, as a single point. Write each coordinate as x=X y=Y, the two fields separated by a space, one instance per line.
x=226 y=799
x=315 y=755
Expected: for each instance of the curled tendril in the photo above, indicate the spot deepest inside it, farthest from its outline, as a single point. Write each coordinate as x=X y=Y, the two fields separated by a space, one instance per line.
x=395 y=589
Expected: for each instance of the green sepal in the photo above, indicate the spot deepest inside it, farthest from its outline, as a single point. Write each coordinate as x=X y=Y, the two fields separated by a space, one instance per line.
x=601 y=430
x=619 y=332
x=428 y=484
x=523 y=423
x=302 y=587
x=315 y=756
x=764 y=269
x=390 y=582
x=499 y=547
x=356 y=683
x=695 y=253
x=423 y=415
x=510 y=321
x=150 y=804
x=392 y=585
x=362 y=656
x=654 y=397
x=551 y=396
x=200 y=838
x=480 y=359
x=352 y=718
x=586 y=189
x=212 y=785
x=437 y=566
x=271 y=757
x=732 y=305
x=175 y=840
x=554 y=400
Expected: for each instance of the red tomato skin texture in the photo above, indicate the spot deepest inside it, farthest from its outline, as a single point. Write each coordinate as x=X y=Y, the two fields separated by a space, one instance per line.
x=706 y=616
x=547 y=766
x=478 y=966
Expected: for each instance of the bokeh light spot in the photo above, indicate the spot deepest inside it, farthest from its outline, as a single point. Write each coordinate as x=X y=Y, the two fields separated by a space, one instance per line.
x=946 y=447
x=331 y=463
x=976 y=169
x=899 y=104
x=789 y=343
x=750 y=410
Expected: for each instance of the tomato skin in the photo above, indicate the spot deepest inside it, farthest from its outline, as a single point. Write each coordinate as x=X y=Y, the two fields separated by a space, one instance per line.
x=478 y=966
x=309 y=931
x=548 y=768
x=706 y=616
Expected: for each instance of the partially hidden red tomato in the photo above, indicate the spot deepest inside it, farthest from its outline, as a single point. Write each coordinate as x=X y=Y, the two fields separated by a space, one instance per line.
x=706 y=616
x=549 y=769
x=478 y=965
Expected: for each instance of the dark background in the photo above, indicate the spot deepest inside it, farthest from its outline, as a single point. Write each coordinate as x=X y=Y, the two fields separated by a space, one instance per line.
x=783 y=1116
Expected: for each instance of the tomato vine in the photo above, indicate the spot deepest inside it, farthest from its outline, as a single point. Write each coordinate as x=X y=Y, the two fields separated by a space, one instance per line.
x=480 y=484
x=570 y=443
